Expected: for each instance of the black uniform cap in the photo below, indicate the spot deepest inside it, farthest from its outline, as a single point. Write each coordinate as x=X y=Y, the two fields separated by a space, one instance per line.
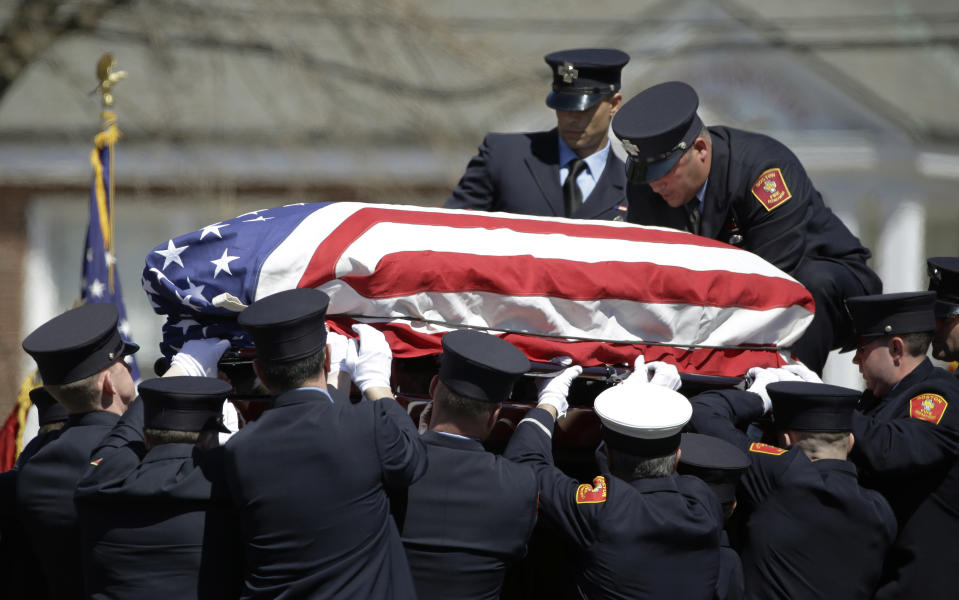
x=480 y=366
x=656 y=127
x=715 y=461
x=48 y=409
x=581 y=77
x=890 y=314
x=288 y=325
x=79 y=343
x=808 y=406
x=944 y=280
x=184 y=403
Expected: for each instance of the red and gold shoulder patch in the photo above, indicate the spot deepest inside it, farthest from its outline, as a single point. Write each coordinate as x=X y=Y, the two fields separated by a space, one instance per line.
x=96 y=463
x=771 y=189
x=592 y=495
x=928 y=407
x=766 y=449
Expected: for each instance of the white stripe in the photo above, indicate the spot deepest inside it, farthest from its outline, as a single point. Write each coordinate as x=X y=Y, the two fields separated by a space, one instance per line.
x=369 y=249
x=285 y=266
x=619 y=320
x=540 y=425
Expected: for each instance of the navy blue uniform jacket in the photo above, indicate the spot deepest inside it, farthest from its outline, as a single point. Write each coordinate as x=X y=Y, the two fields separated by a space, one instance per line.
x=519 y=173
x=310 y=480
x=468 y=518
x=812 y=531
x=647 y=538
x=906 y=447
x=795 y=229
x=45 y=487
x=157 y=523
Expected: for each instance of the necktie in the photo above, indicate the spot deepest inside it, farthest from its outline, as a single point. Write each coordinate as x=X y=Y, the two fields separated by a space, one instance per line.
x=693 y=215
x=572 y=195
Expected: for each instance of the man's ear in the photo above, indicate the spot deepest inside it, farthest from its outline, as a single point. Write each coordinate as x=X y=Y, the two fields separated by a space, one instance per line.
x=326 y=359
x=107 y=388
x=494 y=416
x=433 y=383
x=897 y=347
x=616 y=103
x=852 y=442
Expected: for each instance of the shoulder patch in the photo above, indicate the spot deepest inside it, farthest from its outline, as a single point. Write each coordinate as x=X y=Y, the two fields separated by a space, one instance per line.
x=592 y=495
x=771 y=189
x=766 y=449
x=96 y=463
x=928 y=407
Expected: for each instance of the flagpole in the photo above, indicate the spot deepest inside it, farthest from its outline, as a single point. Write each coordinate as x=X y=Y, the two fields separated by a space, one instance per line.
x=109 y=134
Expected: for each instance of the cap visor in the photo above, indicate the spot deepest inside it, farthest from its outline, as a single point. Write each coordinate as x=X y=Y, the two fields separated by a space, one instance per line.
x=659 y=169
x=946 y=309
x=572 y=102
x=129 y=348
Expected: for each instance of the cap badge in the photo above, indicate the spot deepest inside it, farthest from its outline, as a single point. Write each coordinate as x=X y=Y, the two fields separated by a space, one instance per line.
x=568 y=72
x=887 y=328
x=630 y=148
x=110 y=355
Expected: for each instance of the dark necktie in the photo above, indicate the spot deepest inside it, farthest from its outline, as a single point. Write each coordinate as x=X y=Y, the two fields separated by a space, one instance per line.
x=693 y=215
x=572 y=195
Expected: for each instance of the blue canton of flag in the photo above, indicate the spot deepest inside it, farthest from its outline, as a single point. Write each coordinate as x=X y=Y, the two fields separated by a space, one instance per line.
x=101 y=282
x=202 y=279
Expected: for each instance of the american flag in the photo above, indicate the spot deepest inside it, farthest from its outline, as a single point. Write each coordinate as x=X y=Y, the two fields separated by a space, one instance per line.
x=100 y=282
x=598 y=291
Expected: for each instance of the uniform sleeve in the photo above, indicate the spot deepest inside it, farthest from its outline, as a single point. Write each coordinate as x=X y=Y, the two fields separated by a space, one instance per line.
x=476 y=189
x=565 y=502
x=117 y=455
x=402 y=454
x=775 y=230
x=903 y=444
x=725 y=414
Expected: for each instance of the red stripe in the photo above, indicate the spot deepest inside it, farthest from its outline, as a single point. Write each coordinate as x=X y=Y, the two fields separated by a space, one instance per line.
x=407 y=343
x=525 y=275
x=322 y=265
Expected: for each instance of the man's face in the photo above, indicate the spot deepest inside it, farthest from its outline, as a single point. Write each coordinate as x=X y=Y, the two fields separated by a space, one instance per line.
x=945 y=341
x=684 y=180
x=876 y=365
x=586 y=131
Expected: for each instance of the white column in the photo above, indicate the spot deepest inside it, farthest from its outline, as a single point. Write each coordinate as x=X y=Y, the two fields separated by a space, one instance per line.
x=900 y=251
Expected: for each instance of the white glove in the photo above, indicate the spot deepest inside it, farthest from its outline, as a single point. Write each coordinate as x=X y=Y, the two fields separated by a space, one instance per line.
x=803 y=372
x=339 y=348
x=554 y=390
x=664 y=374
x=230 y=419
x=198 y=358
x=639 y=374
x=374 y=359
x=762 y=377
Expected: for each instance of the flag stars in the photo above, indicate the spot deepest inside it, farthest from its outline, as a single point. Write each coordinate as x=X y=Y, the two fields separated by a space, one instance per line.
x=213 y=229
x=258 y=218
x=109 y=259
x=96 y=288
x=124 y=328
x=195 y=290
x=223 y=263
x=171 y=254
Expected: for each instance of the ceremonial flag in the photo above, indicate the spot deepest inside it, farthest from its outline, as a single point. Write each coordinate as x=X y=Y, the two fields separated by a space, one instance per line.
x=599 y=291
x=101 y=282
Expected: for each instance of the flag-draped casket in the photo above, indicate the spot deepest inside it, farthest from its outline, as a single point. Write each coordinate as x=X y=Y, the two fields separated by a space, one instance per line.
x=599 y=291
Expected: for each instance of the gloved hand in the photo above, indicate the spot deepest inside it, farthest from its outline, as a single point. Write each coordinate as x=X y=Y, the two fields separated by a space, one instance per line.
x=639 y=374
x=374 y=359
x=664 y=374
x=554 y=390
x=231 y=419
x=198 y=358
x=763 y=377
x=803 y=372
x=340 y=351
